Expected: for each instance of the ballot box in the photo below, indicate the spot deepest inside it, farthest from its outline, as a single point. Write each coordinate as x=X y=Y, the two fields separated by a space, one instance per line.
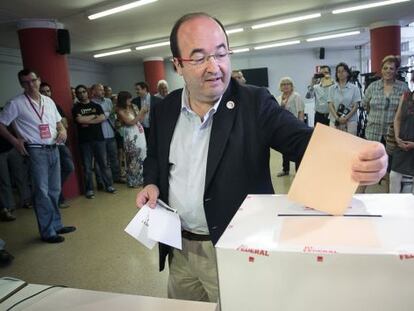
x=279 y=255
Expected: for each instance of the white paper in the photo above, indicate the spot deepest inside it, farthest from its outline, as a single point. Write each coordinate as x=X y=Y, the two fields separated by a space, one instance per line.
x=165 y=227
x=138 y=227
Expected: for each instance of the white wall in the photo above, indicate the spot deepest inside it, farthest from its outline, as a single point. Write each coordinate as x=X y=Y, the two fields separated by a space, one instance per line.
x=124 y=77
x=80 y=71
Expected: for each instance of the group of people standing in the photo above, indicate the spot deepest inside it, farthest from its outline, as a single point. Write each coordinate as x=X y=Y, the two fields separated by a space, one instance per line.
x=387 y=101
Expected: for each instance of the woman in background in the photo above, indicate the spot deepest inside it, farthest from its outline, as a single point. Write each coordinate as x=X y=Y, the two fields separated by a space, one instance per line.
x=291 y=101
x=343 y=100
x=135 y=146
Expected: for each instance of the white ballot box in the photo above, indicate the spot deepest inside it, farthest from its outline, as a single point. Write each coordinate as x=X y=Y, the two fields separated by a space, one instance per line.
x=278 y=255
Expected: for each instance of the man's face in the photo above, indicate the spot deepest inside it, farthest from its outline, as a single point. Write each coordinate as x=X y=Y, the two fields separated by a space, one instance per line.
x=196 y=38
x=108 y=92
x=163 y=90
x=45 y=90
x=238 y=75
x=98 y=91
x=30 y=83
x=141 y=91
x=82 y=94
x=325 y=72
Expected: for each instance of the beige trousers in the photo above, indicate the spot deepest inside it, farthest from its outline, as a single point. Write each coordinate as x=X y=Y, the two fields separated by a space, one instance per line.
x=193 y=272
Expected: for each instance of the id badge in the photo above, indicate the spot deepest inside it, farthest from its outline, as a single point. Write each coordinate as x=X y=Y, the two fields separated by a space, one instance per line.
x=44 y=131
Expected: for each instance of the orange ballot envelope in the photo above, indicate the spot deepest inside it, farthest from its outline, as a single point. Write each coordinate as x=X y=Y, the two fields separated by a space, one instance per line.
x=323 y=181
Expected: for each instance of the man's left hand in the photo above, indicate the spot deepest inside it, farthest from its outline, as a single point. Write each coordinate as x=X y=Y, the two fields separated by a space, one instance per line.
x=61 y=138
x=370 y=165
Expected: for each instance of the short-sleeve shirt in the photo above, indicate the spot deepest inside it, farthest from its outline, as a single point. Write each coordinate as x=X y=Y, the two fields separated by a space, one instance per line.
x=321 y=98
x=88 y=132
x=294 y=104
x=347 y=96
x=379 y=118
x=22 y=111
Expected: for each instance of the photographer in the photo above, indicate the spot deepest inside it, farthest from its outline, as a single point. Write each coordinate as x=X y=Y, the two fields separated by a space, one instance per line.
x=321 y=93
x=343 y=100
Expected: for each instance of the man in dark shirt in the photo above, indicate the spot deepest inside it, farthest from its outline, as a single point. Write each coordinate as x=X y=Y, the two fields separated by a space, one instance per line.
x=89 y=117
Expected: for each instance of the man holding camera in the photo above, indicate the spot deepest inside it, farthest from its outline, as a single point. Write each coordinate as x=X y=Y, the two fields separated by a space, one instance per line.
x=321 y=92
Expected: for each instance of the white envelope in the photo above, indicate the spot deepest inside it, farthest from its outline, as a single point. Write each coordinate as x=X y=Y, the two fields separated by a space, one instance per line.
x=138 y=227
x=165 y=226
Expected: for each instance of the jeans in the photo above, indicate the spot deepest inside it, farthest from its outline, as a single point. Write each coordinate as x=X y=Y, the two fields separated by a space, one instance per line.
x=113 y=161
x=66 y=167
x=45 y=173
x=97 y=150
x=13 y=167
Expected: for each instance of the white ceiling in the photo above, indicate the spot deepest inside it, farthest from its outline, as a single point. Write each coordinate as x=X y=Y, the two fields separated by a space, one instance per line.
x=154 y=21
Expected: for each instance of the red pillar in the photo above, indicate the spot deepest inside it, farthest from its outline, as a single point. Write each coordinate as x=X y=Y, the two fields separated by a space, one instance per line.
x=154 y=71
x=38 y=42
x=385 y=40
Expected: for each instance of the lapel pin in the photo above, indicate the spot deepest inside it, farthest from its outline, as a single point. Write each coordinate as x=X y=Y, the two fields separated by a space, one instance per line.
x=230 y=104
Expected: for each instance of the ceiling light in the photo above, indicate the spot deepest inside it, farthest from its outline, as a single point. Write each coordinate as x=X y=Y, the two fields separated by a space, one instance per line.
x=367 y=6
x=241 y=50
x=153 y=45
x=286 y=21
x=120 y=9
x=234 y=30
x=112 y=53
x=337 y=35
x=261 y=47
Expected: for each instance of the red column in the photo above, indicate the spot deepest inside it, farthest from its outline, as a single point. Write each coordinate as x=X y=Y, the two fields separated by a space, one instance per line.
x=154 y=71
x=385 y=40
x=38 y=42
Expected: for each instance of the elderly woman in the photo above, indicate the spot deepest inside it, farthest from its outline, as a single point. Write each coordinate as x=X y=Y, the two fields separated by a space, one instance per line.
x=343 y=100
x=291 y=101
x=382 y=98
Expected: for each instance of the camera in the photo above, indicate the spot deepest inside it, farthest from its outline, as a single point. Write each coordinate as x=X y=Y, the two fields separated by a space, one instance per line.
x=342 y=111
x=318 y=76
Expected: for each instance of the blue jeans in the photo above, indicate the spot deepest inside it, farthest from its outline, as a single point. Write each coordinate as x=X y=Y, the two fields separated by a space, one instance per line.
x=112 y=160
x=45 y=173
x=97 y=150
x=66 y=166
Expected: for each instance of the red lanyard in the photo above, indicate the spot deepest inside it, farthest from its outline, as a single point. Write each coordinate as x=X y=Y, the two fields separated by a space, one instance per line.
x=34 y=108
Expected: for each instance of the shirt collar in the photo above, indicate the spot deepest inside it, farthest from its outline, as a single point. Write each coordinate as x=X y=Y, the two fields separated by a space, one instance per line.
x=185 y=106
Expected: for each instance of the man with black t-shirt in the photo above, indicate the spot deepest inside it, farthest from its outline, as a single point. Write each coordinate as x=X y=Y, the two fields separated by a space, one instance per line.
x=89 y=116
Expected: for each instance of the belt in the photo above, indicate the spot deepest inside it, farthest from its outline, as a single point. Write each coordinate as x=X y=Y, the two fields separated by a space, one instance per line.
x=195 y=237
x=41 y=146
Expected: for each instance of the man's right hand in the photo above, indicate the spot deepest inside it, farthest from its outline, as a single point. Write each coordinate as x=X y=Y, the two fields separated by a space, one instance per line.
x=148 y=195
x=19 y=145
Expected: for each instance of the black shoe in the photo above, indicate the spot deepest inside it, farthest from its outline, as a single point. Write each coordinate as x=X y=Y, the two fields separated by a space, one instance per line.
x=6 y=215
x=67 y=229
x=90 y=194
x=111 y=190
x=27 y=205
x=54 y=239
x=283 y=173
x=5 y=258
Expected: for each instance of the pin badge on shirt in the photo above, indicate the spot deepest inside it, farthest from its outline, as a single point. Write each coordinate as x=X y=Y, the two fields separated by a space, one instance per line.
x=230 y=105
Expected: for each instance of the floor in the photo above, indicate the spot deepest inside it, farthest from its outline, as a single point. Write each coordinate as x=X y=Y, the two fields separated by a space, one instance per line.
x=99 y=255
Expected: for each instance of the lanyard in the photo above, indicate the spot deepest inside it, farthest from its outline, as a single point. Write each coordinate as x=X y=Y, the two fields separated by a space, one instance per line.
x=34 y=108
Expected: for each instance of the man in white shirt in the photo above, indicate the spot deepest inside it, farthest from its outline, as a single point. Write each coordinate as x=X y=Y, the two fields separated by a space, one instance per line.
x=39 y=128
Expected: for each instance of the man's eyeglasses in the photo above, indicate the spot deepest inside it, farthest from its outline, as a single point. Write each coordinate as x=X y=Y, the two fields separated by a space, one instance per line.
x=200 y=59
x=387 y=103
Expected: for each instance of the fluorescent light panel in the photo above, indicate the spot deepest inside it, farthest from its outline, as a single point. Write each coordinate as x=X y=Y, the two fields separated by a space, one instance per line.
x=287 y=20
x=367 y=6
x=153 y=45
x=112 y=53
x=333 y=36
x=234 y=30
x=120 y=9
x=241 y=50
x=275 y=45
